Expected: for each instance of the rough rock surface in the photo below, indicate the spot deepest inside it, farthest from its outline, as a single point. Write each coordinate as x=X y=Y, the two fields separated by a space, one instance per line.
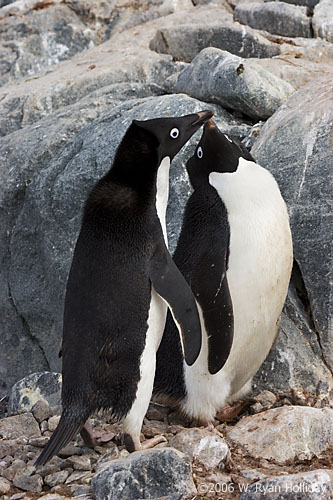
x=275 y=17
x=306 y=3
x=322 y=21
x=233 y=82
x=208 y=449
x=306 y=121
x=39 y=387
x=185 y=42
x=287 y=433
x=145 y=474
x=314 y=485
x=18 y=425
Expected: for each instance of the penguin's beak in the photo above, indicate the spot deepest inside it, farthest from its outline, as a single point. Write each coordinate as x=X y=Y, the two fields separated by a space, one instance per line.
x=210 y=124
x=202 y=117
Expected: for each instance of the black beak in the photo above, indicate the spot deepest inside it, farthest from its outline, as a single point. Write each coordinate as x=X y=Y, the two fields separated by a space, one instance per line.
x=202 y=117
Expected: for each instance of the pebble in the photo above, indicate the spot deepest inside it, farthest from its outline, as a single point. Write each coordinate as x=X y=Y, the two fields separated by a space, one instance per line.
x=56 y=478
x=80 y=462
x=53 y=422
x=41 y=410
x=4 y=485
x=28 y=483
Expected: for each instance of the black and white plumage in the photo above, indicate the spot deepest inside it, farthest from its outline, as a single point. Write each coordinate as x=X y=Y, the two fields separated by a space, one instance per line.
x=121 y=281
x=235 y=251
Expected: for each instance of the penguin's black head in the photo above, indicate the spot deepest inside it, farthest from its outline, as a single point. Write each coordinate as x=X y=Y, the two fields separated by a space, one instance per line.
x=216 y=152
x=170 y=134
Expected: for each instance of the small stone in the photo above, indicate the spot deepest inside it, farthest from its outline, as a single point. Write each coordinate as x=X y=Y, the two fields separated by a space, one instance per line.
x=157 y=412
x=80 y=462
x=19 y=425
x=322 y=21
x=69 y=450
x=79 y=490
x=206 y=447
x=53 y=422
x=39 y=442
x=81 y=477
x=33 y=483
x=11 y=447
x=44 y=426
x=266 y=398
x=253 y=474
x=154 y=428
x=17 y=496
x=4 y=486
x=49 y=468
x=123 y=453
x=41 y=410
x=56 y=478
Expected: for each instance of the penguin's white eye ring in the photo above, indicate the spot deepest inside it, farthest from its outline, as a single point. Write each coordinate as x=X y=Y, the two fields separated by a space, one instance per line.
x=174 y=133
x=199 y=152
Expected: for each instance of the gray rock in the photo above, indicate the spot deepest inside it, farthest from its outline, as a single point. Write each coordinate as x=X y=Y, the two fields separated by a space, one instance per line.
x=4 y=486
x=314 y=485
x=56 y=193
x=34 y=483
x=295 y=145
x=286 y=433
x=275 y=17
x=322 y=21
x=145 y=474
x=41 y=38
x=44 y=386
x=306 y=3
x=41 y=410
x=19 y=425
x=56 y=478
x=11 y=447
x=234 y=83
x=185 y=42
x=207 y=448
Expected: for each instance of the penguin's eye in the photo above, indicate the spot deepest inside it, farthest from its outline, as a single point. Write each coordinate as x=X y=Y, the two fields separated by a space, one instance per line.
x=174 y=133
x=199 y=152
x=227 y=137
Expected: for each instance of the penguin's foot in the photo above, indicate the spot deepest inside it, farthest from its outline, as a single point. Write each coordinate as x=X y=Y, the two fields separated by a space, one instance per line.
x=132 y=443
x=228 y=413
x=90 y=439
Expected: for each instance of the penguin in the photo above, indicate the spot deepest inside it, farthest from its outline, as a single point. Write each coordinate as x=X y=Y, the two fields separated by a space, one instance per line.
x=121 y=282
x=235 y=251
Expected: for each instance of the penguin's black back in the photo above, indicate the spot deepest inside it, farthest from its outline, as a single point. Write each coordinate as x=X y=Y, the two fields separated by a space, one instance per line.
x=108 y=290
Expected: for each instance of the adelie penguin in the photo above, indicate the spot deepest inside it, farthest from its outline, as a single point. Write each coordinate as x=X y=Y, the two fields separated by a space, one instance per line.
x=235 y=250
x=121 y=281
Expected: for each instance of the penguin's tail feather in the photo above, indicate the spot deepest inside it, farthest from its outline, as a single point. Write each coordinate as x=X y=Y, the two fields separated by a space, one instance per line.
x=63 y=434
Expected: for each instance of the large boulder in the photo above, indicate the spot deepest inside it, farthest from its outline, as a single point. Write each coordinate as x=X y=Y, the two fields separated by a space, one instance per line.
x=233 y=82
x=285 y=434
x=185 y=42
x=145 y=474
x=322 y=21
x=296 y=145
x=275 y=17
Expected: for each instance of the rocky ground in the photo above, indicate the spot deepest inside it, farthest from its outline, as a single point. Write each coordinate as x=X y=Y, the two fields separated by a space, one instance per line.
x=74 y=74
x=281 y=445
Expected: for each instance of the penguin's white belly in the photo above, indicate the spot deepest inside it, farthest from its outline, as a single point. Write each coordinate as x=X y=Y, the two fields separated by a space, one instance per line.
x=156 y=324
x=260 y=261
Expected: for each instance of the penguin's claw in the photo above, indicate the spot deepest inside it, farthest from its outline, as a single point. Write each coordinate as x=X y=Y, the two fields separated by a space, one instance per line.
x=150 y=443
x=132 y=443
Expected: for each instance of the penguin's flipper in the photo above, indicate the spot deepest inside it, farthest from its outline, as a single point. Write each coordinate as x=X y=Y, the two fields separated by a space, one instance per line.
x=211 y=290
x=170 y=284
